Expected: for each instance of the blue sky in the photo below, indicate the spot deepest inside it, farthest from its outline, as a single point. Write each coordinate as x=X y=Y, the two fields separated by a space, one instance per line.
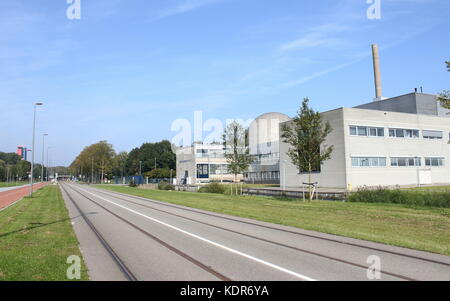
x=128 y=68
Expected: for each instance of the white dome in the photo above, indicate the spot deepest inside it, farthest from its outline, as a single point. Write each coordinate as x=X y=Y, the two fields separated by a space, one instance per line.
x=264 y=133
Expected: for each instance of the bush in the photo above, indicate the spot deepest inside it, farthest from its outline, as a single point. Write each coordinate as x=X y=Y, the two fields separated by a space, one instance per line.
x=133 y=183
x=165 y=186
x=397 y=196
x=213 y=188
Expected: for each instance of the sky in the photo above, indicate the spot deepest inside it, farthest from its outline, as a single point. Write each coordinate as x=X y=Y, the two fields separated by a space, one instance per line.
x=127 y=69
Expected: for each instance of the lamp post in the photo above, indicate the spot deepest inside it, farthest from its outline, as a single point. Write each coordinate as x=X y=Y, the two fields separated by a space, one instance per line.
x=43 y=153
x=46 y=171
x=32 y=156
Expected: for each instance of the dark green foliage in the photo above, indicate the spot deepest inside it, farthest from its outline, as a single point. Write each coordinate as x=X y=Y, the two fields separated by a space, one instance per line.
x=397 y=196
x=160 y=173
x=165 y=186
x=147 y=153
x=213 y=188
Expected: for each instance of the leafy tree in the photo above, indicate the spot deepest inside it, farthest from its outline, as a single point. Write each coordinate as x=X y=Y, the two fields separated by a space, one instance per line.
x=444 y=97
x=152 y=156
x=306 y=135
x=237 y=153
x=160 y=173
x=119 y=164
x=97 y=157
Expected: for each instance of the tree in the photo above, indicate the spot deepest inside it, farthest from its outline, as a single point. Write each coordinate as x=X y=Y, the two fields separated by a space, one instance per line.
x=119 y=164
x=96 y=157
x=444 y=97
x=160 y=173
x=237 y=154
x=306 y=135
x=152 y=156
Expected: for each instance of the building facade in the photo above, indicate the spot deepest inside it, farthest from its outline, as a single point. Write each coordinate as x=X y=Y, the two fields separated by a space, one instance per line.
x=382 y=144
x=203 y=163
x=264 y=147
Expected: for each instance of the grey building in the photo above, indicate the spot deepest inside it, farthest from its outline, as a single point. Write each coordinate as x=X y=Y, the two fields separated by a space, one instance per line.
x=397 y=141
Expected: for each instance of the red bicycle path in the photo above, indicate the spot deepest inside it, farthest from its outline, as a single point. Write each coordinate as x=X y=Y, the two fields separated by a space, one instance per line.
x=7 y=198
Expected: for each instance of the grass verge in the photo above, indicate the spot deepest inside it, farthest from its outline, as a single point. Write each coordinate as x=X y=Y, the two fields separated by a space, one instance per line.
x=420 y=228
x=12 y=184
x=36 y=238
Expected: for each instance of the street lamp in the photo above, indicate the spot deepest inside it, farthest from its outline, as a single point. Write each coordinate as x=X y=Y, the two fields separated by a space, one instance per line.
x=46 y=171
x=43 y=153
x=32 y=156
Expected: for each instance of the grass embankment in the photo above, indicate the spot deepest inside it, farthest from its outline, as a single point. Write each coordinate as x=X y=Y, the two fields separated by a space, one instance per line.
x=36 y=238
x=12 y=184
x=430 y=198
x=419 y=228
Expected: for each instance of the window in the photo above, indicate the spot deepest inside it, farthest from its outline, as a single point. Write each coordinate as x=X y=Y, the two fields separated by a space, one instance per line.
x=368 y=161
x=432 y=134
x=218 y=169
x=366 y=131
x=202 y=171
x=403 y=133
x=405 y=162
x=437 y=162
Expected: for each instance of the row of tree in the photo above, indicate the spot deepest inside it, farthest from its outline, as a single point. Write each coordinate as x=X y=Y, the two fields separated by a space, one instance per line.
x=99 y=162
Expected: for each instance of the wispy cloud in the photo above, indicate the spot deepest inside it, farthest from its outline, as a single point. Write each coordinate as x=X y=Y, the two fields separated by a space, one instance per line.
x=317 y=36
x=184 y=7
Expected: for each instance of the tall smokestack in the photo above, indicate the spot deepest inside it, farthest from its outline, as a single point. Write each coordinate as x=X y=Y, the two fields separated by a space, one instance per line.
x=377 y=73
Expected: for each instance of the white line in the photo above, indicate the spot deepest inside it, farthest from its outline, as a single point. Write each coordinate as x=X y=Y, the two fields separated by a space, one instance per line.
x=209 y=241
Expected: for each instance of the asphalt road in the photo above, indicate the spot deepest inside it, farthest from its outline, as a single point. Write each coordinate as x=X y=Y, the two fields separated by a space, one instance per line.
x=124 y=237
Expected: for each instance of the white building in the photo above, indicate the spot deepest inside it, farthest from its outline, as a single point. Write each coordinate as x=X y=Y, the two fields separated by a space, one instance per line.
x=397 y=141
x=202 y=163
x=264 y=148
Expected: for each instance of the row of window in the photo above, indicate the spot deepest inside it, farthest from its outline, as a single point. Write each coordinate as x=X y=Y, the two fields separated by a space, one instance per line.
x=396 y=161
x=397 y=133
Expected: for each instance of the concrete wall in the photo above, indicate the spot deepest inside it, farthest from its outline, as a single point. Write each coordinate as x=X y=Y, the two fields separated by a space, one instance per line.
x=395 y=147
x=333 y=170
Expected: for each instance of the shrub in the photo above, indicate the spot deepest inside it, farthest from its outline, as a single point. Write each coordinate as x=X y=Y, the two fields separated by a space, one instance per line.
x=397 y=196
x=165 y=186
x=133 y=183
x=213 y=188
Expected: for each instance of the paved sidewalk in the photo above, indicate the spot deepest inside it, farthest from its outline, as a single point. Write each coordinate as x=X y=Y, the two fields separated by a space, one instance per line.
x=9 y=197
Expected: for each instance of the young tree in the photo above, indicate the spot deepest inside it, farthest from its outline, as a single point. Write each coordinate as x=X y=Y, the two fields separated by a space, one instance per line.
x=444 y=97
x=237 y=153
x=306 y=136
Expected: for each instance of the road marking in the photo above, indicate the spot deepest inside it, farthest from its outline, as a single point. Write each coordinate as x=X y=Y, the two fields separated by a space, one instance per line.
x=276 y=267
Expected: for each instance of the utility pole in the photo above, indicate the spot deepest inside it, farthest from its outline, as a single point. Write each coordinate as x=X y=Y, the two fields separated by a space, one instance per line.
x=32 y=157
x=92 y=172
x=43 y=153
x=48 y=148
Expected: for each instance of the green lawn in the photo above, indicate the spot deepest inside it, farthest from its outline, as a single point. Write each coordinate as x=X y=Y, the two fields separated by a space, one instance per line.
x=36 y=238
x=419 y=228
x=4 y=184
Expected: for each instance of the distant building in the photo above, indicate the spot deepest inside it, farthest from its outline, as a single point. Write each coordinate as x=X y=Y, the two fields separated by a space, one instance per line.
x=22 y=152
x=403 y=140
x=202 y=163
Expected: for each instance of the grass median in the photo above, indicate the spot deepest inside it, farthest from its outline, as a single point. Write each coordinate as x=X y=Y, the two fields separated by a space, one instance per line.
x=12 y=184
x=36 y=238
x=420 y=228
